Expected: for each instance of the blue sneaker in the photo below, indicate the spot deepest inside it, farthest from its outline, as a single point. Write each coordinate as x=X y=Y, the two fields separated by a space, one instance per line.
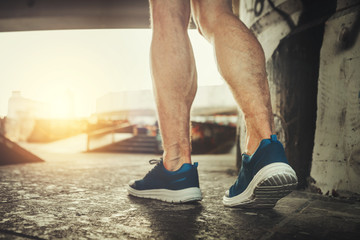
x=264 y=177
x=176 y=187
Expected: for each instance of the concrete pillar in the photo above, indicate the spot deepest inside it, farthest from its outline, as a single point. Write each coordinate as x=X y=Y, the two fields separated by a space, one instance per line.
x=336 y=157
x=291 y=33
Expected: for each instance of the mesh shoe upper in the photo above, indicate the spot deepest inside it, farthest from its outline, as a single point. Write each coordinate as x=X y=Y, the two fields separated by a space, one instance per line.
x=269 y=151
x=160 y=178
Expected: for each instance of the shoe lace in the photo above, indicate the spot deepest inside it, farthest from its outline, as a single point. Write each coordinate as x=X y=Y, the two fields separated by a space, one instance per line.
x=155 y=169
x=155 y=161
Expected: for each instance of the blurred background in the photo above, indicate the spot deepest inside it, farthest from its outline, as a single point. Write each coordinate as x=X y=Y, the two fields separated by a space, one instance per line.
x=74 y=79
x=58 y=84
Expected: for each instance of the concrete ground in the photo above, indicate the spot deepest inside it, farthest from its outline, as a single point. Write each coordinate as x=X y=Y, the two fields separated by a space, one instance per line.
x=83 y=195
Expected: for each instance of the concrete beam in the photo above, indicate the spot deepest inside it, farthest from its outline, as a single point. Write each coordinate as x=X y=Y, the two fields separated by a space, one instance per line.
x=28 y=15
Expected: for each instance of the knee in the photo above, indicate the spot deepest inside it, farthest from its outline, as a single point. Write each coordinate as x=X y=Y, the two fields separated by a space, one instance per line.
x=208 y=15
x=202 y=19
x=165 y=15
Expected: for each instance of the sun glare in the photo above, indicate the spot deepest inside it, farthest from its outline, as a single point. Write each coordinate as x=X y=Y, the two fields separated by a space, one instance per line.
x=62 y=105
x=69 y=70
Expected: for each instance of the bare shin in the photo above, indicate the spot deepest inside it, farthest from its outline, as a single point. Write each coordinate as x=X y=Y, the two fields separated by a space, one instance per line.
x=241 y=62
x=174 y=78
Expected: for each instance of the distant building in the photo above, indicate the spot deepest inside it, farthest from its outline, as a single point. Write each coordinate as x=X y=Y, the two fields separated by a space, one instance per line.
x=125 y=100
x=18 y=107
x=138 y=107
x=21 y=116
x=211 y=103
x=214 y=104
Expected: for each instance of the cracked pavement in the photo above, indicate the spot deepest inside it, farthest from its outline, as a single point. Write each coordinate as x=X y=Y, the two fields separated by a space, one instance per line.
x=84 y=196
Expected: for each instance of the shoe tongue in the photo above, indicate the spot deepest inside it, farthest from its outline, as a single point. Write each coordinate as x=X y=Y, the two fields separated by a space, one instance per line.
x=273 y=138
x=245 y=157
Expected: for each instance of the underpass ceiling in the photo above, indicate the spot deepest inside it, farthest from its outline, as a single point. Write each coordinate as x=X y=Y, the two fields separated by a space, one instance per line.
x=29 y=15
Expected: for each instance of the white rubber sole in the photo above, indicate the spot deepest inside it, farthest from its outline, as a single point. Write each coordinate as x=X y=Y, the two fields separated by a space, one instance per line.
x=172 y=196
x=270 y=184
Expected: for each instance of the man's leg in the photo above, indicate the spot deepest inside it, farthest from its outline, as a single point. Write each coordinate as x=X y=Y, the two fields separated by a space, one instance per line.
x=174 y=77
x=265 y=175
x=174 y=179
x=241 y=62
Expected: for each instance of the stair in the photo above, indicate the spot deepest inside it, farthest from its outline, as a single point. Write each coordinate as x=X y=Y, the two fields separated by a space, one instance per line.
x=137 y=144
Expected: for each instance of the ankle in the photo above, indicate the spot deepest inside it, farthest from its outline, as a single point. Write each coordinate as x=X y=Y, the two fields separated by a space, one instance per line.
x=257 y=130
x=252 y=146
x=173 y=164
x=253 y=142
x=176 y=155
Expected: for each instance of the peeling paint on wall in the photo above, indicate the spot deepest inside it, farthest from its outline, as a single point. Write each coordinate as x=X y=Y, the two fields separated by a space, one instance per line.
x=336 y=156
x=291 y=33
